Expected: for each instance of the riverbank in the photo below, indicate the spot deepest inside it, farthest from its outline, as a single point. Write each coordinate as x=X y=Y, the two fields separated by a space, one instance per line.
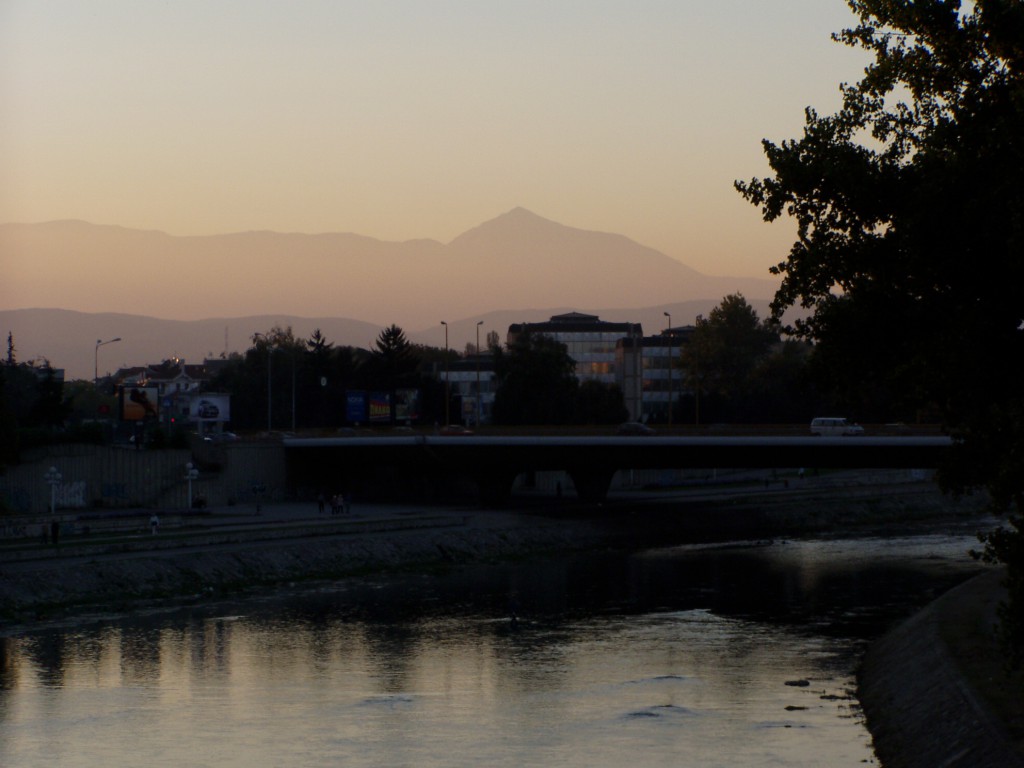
x=229 y=553
x=113 y=561
x=934 y=689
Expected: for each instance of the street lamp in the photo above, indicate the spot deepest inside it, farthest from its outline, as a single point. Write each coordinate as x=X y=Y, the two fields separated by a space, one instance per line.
x=96 y=358
x=670 y=353
x=53 y=479
x=696 y=377
x=191 y=473
x=270 y=351
x=478 y=393
x=638 y=372
x=447 y=397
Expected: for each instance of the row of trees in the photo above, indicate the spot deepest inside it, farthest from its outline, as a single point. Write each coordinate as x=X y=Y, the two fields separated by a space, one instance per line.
x=307 y=378
x=736 y=368
x=36 y=406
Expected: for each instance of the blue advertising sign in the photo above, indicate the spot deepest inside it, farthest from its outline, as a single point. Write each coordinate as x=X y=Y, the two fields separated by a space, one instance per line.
x=355 y=406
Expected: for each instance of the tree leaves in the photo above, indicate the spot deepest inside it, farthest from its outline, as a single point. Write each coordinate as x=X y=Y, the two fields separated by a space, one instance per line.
x=910 y=217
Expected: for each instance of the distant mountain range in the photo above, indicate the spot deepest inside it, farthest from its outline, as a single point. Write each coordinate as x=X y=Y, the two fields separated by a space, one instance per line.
x=517 y=267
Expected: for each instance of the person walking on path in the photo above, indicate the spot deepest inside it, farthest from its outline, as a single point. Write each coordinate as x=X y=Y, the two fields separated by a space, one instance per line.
x=320 y=503
x=154 y=524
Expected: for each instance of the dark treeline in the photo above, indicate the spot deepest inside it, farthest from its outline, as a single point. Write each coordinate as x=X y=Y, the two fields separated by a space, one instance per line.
x=310 y=378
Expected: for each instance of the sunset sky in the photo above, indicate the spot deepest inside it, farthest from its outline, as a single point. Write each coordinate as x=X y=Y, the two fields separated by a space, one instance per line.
x=401 y=119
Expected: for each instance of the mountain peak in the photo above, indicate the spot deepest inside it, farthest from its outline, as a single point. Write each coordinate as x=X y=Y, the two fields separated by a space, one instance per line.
x=517 y=225
x=520 y=214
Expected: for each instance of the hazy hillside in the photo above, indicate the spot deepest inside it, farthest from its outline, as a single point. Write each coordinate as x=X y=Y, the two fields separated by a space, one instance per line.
x=112 y=281
x=518 y=259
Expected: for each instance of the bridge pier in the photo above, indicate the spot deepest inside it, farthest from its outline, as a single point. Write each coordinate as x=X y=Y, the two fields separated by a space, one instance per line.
x=592 y=484
x=495 y=486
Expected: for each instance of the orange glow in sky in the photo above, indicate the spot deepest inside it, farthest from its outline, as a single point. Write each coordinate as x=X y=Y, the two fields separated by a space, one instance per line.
x=403 y=119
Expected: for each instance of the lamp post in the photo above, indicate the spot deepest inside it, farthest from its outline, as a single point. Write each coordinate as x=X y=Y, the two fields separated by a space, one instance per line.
x=670 y=354
x=447 y=397
x=53 y=479
x=191 y=473
x=638 y=372
x=696 y=377
x=478 y=393
x=270 y=351
x=96 y=359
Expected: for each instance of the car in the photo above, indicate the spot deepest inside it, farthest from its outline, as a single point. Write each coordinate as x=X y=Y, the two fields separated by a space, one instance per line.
x=454 y=429
x=835 y=426
x=634 y=428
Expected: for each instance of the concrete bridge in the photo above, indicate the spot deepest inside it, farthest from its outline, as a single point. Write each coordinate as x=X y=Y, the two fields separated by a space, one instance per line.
x=419 y=464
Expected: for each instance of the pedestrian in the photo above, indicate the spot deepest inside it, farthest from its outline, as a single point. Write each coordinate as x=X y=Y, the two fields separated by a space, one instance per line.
x=154 y=524
x=335 y=504
x=320 y=503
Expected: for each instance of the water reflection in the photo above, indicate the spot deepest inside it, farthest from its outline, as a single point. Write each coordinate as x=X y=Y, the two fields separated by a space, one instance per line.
x=617 y=659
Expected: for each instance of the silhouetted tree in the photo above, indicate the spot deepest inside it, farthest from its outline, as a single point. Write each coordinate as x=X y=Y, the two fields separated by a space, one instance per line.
x=392 y=362
x=908 y=208
x=318 y=345
x=8 y=423
x=782 y=389
x=536 y=382
x=722 y=358
x=33 y=410
x=600 y=403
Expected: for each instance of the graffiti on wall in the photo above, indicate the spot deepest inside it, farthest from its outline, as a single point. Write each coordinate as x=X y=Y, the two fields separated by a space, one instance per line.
x=71 y=495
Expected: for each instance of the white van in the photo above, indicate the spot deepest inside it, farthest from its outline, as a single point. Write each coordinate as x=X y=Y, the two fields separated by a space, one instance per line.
x=834 y=425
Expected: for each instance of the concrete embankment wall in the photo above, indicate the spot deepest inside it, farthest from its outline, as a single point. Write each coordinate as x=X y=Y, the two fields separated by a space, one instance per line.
x=93 y=476
x=116 y=477
x=921 y=709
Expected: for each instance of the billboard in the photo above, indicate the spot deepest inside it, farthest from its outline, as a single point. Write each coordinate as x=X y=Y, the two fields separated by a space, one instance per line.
x=380 y=408
x=210 y=407
x=139 y=403
x=355 y=406
x=407 y=405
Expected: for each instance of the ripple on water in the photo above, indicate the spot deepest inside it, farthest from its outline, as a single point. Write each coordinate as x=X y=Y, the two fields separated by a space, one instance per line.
x=661 y=711
x=389 y=701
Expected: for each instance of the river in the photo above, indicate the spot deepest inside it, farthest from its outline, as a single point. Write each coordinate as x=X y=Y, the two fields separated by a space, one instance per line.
x=712 y=655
